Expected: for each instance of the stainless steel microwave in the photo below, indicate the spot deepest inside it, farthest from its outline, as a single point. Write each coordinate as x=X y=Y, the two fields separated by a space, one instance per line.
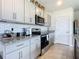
x=39 y=20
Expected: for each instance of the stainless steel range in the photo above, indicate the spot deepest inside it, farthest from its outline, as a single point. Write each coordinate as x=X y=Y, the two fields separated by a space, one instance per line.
x=44 y=43
x=44 y=39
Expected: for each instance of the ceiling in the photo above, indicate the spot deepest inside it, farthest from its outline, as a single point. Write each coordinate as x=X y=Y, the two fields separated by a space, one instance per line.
x=51 y=5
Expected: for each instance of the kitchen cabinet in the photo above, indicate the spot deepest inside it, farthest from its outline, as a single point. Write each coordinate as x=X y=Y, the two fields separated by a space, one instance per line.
x=19 y=54
x=6 y=9
x=32 y=13
x=18 y=10
x=38 y=46
x=51 y=37
x=29 y=12
x=39 y=11
x=42 y=13
x=12 y=10
x=47 y=18
x=27 y=49
x=18 y=50
x=25 y=53
x=13 y=55
x=33 y=51
x=35 y=47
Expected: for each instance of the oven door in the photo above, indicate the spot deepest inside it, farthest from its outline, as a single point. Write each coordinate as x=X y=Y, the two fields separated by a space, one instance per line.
x=44 y=41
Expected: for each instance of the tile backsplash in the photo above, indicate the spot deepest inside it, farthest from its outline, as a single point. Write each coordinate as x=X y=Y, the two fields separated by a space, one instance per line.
x=18 y=27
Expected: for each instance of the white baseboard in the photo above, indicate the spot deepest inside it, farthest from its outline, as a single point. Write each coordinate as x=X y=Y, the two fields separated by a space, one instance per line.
x=71 y=45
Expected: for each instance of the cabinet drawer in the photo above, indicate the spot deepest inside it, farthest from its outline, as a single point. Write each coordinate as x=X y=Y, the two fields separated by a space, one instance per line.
x=16 y=46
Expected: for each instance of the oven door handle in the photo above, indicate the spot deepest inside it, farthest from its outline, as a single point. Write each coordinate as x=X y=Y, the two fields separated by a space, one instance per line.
x=43 y=36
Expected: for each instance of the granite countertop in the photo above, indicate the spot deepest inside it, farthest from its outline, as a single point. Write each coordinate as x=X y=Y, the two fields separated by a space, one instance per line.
x=8 y=41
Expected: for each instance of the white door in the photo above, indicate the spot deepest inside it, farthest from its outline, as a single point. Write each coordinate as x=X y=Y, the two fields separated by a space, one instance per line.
x=63 y=30
x=13 y=55
x=25 y=53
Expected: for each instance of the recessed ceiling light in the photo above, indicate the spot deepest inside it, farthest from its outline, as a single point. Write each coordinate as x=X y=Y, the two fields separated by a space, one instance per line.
x=59 y=2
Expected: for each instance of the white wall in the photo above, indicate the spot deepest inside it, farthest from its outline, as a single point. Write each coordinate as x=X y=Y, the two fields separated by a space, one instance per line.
x=64 y=12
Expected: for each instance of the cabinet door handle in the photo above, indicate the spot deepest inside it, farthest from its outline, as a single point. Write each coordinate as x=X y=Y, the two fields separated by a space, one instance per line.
x=30 y=19
x=21 y=54
x=20 y=45
x=14 y=15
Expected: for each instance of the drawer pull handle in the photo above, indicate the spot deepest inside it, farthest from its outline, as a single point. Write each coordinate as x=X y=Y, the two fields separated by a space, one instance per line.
x=20 y=45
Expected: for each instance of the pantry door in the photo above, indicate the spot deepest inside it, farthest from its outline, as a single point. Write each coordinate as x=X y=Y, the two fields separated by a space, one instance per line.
x=63 y=30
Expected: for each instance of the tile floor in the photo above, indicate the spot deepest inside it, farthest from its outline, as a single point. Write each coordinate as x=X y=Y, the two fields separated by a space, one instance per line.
x=58 y=51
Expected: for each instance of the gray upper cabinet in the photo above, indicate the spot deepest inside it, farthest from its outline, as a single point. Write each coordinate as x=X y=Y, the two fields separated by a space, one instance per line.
x=29 y=12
